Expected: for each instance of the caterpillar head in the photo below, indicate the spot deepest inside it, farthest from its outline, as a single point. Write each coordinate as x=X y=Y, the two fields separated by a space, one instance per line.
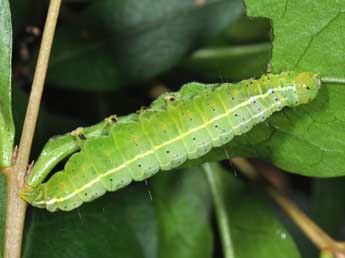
x=307 y=87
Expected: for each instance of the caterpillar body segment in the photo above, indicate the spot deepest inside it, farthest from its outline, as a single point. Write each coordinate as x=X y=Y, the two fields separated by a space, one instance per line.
x=177 y=126
x=60 y=147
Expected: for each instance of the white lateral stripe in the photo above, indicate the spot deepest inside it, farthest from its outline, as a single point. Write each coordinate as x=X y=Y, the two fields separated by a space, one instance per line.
x=97 y=179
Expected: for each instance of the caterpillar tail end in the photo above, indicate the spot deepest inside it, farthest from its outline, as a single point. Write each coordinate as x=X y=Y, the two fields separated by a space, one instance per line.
x=33 y=195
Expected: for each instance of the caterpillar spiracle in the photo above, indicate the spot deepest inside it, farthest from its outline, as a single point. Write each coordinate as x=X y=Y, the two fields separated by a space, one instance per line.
x=177 y=126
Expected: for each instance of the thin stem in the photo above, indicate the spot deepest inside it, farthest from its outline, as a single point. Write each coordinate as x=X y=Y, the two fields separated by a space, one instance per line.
x=309 y=227
x=223 y=220
x=232 y=51
x=313 y=231
x=333 y=80
x=37 y=89
x=15 y=215
x=16 y=208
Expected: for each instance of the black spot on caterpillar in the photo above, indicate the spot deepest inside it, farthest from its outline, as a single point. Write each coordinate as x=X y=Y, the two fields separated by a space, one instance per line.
x=176 y=127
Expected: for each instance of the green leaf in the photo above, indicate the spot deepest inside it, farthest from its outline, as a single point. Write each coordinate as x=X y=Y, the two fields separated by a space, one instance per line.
x=114 y=226
x=309 y=36
x=120 y=42
x=308 y=140
x=81 y=61
x=248 y=30
x=230 y=63
x=182 y=204
x=326 y=254
x=129 y=224
x=247 y=226
x=328 y=199
x=20 y=13
x=6 y=120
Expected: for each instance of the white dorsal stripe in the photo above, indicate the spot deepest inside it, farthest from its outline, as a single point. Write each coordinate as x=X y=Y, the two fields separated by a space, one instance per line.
x=179 y=137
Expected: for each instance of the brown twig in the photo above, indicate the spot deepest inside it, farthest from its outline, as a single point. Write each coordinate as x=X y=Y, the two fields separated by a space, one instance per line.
x=320 y=238
x=15 y=176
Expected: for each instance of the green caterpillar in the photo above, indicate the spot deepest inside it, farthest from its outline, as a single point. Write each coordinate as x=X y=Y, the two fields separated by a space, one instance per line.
x=176 y=127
